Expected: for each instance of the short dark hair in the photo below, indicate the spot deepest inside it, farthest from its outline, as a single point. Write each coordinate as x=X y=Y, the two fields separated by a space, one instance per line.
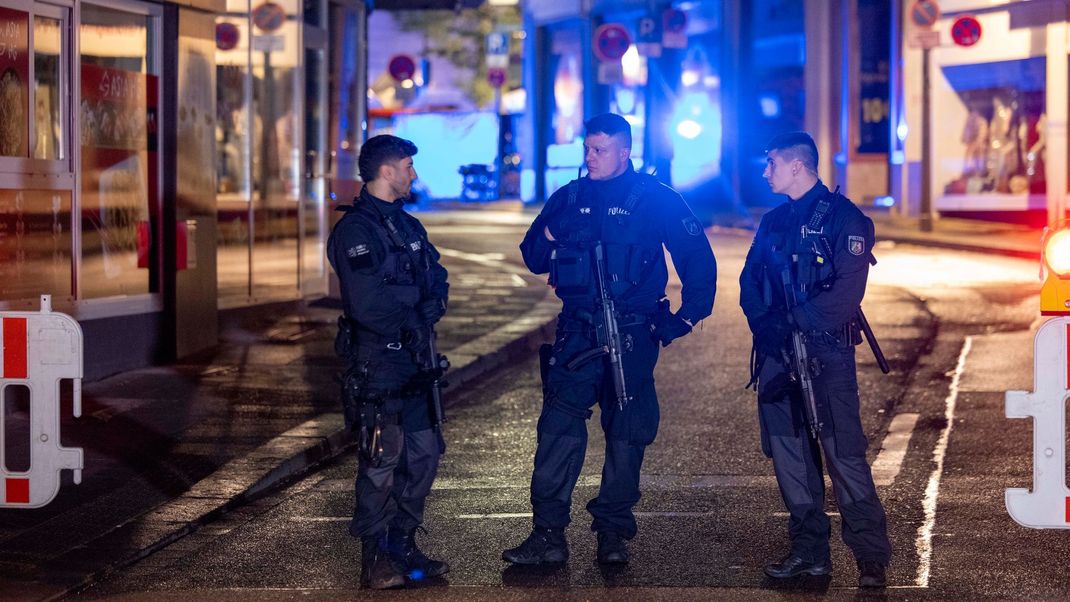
x=610 y=124
x=795 y=145
x=382 y=149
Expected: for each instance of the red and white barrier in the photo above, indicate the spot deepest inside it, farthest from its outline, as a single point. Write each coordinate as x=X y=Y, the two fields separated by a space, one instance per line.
x=37 y=351
x=1047 y=506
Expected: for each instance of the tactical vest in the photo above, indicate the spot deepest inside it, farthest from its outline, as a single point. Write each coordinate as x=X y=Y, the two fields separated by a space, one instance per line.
x=631 y=252
x=399 y=276
x=814 y=269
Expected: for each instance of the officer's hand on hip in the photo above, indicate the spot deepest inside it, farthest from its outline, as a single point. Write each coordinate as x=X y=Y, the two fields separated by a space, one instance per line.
x=668 y=327
x=413 y=332
x=431 y=311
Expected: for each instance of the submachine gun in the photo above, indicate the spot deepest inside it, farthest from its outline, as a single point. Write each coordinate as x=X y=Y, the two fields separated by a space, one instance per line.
x=433 y=365
x=612 y=344
x=801 y=366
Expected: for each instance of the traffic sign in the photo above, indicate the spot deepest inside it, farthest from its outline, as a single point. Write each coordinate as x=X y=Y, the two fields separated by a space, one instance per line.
x=269 y=16
x=611 y=41
x=498 y=43
x=674 y=28
x=402 y=67
x=966 y=30
x=226 y=36
x=496 y=77
x=649 y=42
x=924 y=13
x=926 y=40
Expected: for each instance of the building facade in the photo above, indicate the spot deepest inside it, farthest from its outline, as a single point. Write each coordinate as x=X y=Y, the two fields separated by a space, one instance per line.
x=161 y=161
x=998 y=111
x=848 y=71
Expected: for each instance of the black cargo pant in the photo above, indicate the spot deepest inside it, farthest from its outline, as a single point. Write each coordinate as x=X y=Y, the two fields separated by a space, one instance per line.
x=568 y=396
x=797 y=459
x=391 y=493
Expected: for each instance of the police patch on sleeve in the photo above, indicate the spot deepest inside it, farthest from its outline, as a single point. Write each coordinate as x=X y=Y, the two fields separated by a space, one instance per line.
x=856 y=245
x=692 y=226
x=359 y=256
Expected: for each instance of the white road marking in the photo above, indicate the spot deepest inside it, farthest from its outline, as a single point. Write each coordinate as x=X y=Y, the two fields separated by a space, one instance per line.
x=321 y=519
x=637 y=514
x=924 y=541
x=494 y=260
x=890 y=459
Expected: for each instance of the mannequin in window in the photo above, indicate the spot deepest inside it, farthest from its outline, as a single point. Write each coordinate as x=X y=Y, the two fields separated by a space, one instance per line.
x=1003 y=144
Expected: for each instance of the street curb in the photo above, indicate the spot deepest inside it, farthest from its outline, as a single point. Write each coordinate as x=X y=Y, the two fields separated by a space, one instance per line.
x=298 y=450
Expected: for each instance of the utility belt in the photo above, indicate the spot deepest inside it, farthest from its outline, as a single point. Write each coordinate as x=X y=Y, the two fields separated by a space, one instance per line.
x=588 y=321
x=847 y=335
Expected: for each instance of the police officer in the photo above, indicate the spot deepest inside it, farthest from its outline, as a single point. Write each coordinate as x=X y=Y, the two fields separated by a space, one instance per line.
x=631 y=215
x=393 y=291
x=821 y=245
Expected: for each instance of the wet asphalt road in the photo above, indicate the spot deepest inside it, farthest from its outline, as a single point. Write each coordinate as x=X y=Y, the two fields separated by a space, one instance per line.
x=711 y=515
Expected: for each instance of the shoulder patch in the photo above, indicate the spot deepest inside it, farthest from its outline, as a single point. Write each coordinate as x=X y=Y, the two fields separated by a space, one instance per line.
x=359 y=256
x=692 y=226
x=856 y=245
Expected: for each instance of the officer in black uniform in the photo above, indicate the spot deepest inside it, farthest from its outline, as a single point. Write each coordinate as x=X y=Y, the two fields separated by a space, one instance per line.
x=826 y=244
x=393 y=291
x=632 y=215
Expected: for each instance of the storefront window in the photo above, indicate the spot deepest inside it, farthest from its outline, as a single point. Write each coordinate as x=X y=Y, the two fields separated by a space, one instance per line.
x=118 y=141
x=49 y=88
x=347 y=92
x=236 y=128
x=989 y=121
x=35 y=243
x=14 y=82
x=259 y=96
x=564 y=154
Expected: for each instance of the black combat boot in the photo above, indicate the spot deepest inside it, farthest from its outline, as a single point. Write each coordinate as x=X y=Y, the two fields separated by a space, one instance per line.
x=543 y=546
x=612 y=548
x=871 y=574
x=793 y=565
x=376 y=570
x=410 y=559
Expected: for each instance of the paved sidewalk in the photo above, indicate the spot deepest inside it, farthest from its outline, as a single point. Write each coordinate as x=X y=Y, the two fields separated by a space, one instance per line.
x=962 y=234
x=168 y=449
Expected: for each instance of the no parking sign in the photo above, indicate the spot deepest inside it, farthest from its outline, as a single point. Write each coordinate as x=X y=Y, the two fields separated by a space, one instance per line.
x=966 y=31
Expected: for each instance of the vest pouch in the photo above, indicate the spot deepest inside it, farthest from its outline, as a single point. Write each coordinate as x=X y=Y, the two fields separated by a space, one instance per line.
x=572 y=271
x=627 y=266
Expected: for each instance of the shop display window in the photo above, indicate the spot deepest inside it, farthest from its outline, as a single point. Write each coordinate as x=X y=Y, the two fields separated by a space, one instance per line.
x=261 y=123
x=118 y=110
x=989 y=135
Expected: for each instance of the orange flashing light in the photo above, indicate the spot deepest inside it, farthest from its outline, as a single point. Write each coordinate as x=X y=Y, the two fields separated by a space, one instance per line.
x=1055 y=258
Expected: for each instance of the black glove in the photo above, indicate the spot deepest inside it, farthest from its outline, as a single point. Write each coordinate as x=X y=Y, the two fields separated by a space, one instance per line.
x=431 y=311
x=414 y=332
x=669 y=326
x=772 y=334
